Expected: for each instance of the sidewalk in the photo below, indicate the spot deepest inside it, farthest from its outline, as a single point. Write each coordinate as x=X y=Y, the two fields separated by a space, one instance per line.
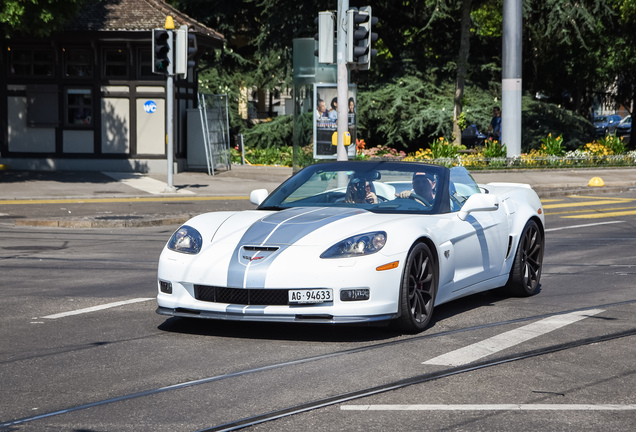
x=38 y=185
x=26 y=187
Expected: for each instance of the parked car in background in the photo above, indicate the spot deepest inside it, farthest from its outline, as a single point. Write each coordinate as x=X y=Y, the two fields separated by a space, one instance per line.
x=624 y=128
x=606 y=124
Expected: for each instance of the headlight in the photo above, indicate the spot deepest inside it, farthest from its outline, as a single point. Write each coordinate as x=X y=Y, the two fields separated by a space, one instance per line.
x=186 y=240
x=358 y=245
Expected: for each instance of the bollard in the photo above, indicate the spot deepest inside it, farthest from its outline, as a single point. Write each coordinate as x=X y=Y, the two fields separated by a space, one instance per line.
x=596 y=181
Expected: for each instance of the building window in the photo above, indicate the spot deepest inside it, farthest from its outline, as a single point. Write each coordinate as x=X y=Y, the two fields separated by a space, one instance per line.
x=145 y=64
x=78 y=63
x=27 y=62
x=116 y=63
x=79 y=107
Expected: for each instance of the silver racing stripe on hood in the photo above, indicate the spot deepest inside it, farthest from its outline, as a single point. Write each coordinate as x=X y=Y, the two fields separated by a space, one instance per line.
x=268 y=237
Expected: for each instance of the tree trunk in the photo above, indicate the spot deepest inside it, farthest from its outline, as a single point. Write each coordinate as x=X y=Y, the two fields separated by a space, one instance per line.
x=462 y=66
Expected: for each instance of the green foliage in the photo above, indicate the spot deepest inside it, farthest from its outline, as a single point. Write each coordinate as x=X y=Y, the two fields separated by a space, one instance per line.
x=442 y=148
x=36 y=17
x=615 y=144
x=552 y=146
x=268 y=156
x=409 y=112
x=276 y=132
x=541 y=118
x=461 y=121
x=494 y=149
x=569 y=54
x=488 y=17
x=406 y=99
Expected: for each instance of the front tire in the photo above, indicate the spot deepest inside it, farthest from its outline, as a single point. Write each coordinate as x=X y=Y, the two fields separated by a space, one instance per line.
x=418 y=290
x=526 y=268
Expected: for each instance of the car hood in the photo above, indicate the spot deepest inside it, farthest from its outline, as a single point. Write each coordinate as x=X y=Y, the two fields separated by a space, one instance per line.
x=248 y=242
x=304 y=226
x=283 y=227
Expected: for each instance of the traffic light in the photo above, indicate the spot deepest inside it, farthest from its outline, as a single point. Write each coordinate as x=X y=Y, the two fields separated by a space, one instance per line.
x=325 y=37
x=160 y=51
x=185 y=50
x=360 y=37
x=365 y=60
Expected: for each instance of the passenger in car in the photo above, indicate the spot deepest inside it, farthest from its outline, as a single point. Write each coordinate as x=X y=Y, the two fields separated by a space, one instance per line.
x=361 y=191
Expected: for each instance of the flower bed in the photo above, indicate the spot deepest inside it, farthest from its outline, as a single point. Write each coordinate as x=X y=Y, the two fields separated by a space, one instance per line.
x=609 y=151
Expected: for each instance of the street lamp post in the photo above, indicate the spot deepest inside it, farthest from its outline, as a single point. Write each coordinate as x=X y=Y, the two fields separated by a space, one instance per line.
x=511 y=77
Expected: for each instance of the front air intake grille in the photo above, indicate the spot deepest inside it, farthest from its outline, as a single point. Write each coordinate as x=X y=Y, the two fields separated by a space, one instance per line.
x=240 y=296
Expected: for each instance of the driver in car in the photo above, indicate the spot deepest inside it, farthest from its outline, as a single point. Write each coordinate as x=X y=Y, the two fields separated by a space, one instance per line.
x=423 y=187
x=360 y=191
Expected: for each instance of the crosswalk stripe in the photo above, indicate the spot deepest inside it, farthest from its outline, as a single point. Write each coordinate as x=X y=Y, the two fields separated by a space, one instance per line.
x=493 y=407
x=97 y=308
x=476 y=351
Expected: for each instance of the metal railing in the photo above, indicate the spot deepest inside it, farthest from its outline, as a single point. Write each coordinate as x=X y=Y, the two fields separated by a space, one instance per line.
x=213 y=111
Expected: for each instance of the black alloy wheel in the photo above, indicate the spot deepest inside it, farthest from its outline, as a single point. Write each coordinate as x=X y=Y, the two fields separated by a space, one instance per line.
x=526 y=268
x=418 y=289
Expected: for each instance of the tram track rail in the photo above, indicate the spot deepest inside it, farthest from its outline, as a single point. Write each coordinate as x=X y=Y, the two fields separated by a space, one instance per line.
x=396 y=385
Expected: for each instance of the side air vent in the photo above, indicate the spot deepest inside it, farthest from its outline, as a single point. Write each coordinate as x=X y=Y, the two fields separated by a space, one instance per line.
x=509 y=247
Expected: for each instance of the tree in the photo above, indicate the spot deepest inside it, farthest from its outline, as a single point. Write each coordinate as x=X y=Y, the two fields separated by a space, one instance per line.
x=464 y=48
x=622 y=59
x=563 y=52
x=446 y=53
x=36 y=17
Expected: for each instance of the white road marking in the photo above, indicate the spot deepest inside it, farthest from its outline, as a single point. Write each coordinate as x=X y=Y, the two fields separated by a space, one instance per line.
x=508 y=339
x=582 y=226
x=492 y=407
x=97 y=308
x=144 y=183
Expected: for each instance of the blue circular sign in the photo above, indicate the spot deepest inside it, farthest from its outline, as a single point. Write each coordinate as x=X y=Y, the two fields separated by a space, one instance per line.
x=150 y=107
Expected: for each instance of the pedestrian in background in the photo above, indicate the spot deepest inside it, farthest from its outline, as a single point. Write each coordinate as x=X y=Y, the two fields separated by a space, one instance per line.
x=495 y=124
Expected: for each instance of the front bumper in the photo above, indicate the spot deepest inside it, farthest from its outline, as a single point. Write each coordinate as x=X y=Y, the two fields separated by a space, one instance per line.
x=254 y=315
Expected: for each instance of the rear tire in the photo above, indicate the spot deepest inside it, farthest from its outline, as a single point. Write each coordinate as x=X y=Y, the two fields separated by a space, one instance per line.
x=418 y=290
x=526 y=268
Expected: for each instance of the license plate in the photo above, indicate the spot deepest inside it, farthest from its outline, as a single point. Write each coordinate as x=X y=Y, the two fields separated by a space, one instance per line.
x=310 y=296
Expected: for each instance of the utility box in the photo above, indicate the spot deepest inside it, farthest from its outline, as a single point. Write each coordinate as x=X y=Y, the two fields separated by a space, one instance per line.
x=196 y=144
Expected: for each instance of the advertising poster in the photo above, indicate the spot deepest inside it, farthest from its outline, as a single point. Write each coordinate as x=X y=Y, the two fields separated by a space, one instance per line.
x=325 y=120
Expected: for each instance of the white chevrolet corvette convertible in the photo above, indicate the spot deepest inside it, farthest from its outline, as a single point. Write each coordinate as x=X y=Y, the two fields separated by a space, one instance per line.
x=355 y=242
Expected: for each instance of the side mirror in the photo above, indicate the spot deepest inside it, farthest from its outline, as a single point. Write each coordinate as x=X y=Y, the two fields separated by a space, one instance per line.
x=478 y=202
x=258 y=196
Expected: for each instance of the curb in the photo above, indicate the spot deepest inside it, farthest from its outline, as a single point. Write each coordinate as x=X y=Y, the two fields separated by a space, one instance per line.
x=550 y=192
x=135 y=221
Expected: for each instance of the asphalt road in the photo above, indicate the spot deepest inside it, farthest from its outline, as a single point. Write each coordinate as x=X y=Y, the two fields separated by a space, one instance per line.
x=82 y=348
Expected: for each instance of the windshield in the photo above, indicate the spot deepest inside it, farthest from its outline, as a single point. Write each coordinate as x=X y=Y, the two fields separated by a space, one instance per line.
x=600 y=119
x=383 y=187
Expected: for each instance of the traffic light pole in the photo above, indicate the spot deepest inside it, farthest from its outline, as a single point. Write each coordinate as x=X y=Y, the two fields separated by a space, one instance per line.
x=170 y=112
x=343 y=79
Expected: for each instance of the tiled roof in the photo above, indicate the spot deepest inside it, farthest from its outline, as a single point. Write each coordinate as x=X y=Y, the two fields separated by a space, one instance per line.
x=133 y=15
